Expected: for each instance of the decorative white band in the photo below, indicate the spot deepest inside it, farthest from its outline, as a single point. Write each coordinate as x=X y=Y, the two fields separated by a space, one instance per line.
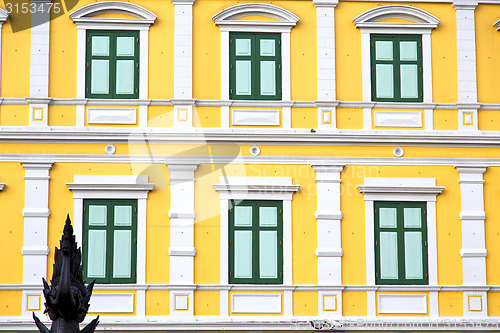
x=36 y=212
x=182 y=251
x=473 y=253
x=35 y=250
x=329 y=252
x=328 y=215
x=181 y=215
x=472 y=215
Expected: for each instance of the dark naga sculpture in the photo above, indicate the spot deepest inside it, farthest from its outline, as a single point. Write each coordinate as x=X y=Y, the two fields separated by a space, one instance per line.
x=67 y=298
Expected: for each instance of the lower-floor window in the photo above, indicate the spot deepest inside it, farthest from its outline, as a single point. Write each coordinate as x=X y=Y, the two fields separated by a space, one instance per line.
x=256 y=242
x=110 y=240
x=400 y=243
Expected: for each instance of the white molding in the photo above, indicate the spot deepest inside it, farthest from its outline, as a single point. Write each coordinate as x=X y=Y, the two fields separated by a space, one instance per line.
x=497 y=25
x=86 y=13
x=402 y=304
x=255 y=117
x=112 y=116
x=182 y=251
x=281 y=16
x=183 y=49
x=421 y=18
x=329 y=252
x=472 y=215
x=256 y=303
x=325 y=50
x=422 y=23
x=400 y=189
x=397 y=119
x=112 y=303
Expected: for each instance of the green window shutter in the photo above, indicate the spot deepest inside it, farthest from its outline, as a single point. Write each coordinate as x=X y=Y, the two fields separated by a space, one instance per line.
x=110 y=240
x=112 y=64
x=396 y=68
x=256 y=242
x=400 y=243
x=255 y=66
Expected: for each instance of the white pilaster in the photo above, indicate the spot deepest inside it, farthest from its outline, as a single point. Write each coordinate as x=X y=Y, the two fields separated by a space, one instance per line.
x=472 y=215
x=183 y=48
x=466 y=50
x=36 y=213
x=39 y=66
x=329 y=215
x=182 y=249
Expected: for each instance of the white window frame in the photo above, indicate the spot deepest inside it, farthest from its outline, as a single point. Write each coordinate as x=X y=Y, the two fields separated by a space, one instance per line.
x=422 y=24
x=256 y=188
x=85 y=20
x=283 y=22
x=400 y=189
x=114 y=187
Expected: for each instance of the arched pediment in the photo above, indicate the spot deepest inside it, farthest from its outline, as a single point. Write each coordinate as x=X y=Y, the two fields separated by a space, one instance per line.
x=417 y=17
x=87 y=13
x=233 y=15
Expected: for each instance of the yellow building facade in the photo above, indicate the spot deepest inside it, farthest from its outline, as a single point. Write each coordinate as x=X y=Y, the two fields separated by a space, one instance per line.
x=254 y=166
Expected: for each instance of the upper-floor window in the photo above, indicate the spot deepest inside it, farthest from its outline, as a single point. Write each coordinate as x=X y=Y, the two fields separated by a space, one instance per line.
x=112 y=69
x=255 y=66
x=396 y=56
x=110 y=240
x=400 y=243
x=396 y=68
x=256 y=242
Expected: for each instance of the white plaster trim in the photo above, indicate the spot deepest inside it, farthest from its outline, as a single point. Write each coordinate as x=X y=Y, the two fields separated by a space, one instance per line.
x=112 y=303
x=389 y=189
x=256 y=117
x=402 y=304
x=473 y=215
x=473 y=253
x=329 y=252
x=397 y=119
x=112 y=116
x=497 y=25
x=421 y=18
x=283 y=16
x=35 y=250
x=182 y=251
x=86 y=13
x=2 y=185
x=256 y=303
x=328 y=215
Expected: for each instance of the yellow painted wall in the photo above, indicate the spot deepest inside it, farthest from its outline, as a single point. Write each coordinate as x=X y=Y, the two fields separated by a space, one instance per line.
x=305 y=303
x=11 y=302
x=304 y=118
x=206 y=303
x=450 y=304
x=15 y=61
x=157 y=303
x=62 y=115
x=354 y=303
x=161 y=116
x=491 y=228
x=206 y=116
x=487 y=53
x=446 y=120
x=14 y=115
x=488 y=120
x=494 y=304
x=353 y=223
x=11 y=237
x=350 y=118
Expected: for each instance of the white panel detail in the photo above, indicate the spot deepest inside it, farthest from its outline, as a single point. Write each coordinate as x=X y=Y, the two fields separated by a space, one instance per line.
x=398 y=119
x=112 y=116
x=112 y=303
x=256 y=303
x=256 y=117
x=394 y=303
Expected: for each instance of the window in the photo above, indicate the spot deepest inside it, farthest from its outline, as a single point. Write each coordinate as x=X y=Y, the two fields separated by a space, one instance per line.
x=396 y=62
x=400 y=243
x=110 y=240
x=112 y=64
x=256 y=242
x=255 y=66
